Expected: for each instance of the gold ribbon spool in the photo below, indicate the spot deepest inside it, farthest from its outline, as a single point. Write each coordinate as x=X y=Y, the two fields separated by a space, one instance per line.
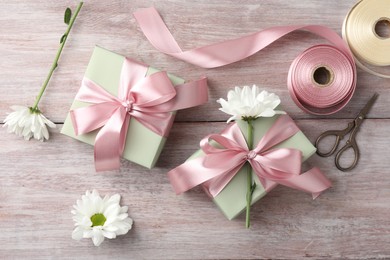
x=359 y=31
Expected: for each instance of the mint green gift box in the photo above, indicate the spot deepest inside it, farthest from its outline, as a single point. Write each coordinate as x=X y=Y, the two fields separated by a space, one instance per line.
x=232 y=199
x=143 y=146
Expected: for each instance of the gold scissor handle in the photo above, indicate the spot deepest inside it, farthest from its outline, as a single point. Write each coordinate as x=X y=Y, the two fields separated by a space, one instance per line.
x=351 y=144
x=335 y=133
x=339 y=134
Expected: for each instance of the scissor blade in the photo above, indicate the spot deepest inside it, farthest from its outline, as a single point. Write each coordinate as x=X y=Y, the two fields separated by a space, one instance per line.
x=368 y=106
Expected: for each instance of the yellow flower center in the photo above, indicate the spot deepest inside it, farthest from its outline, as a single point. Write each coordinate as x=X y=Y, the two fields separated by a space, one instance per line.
x=98 y=219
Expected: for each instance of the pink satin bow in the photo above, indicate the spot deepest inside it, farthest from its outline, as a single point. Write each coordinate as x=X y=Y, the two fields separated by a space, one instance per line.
x=150 y=100
x=272 y=165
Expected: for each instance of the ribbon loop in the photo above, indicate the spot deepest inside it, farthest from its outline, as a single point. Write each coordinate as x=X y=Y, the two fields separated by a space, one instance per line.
x=226 y=143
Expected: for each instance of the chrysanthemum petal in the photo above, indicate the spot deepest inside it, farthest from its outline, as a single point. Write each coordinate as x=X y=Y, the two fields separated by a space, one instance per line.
x=116 y=218
x=124 y=209
x=108 y=234
x=249 y=102
x=97 y=237
x=111 y=228
x=77 y=233
x=23 y=122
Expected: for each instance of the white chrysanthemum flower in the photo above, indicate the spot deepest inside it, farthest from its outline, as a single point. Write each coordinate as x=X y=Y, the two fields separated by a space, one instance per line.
x=26 y=122
x=98 y=218
x=249 y=103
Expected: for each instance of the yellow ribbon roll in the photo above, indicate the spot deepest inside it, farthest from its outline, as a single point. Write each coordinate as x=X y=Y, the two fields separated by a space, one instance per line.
x=360 y=32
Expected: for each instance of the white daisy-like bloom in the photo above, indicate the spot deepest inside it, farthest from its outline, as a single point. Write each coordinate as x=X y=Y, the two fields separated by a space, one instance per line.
x=26 y=122
x=248 y=103
x=99 y=218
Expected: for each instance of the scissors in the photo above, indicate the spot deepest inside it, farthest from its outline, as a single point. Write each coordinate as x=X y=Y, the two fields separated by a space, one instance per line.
x=352 y=127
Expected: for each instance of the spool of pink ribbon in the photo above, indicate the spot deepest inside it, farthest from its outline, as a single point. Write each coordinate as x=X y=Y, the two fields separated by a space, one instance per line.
x=321 y=80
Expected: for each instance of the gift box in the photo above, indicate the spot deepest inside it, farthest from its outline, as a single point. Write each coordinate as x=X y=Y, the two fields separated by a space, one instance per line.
x=232 y=198
x=148 y=122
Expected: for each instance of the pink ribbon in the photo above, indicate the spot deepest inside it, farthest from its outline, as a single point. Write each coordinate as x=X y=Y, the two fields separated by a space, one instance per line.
x=329 y=98
x=150 y=100
x=272 y=165
x=227 y=52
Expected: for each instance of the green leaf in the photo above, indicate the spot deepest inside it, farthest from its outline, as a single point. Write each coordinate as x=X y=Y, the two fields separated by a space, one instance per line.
x=253 y=187
x=63 y=38
x=68 y=15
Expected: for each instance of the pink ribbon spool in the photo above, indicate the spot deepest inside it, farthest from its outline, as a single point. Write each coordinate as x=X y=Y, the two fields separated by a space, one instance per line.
x=309 y=96
x=322 y=98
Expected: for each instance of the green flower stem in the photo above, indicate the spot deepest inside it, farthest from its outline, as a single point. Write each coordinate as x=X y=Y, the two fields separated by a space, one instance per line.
x=250 y=187
x=55 y=62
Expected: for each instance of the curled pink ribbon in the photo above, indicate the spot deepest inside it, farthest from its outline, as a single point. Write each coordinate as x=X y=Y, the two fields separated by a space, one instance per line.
x=150 y=100
x=227 y=52
x=272 y=165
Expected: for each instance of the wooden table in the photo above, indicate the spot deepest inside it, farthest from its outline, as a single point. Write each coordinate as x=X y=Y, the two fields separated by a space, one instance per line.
x=40 y=181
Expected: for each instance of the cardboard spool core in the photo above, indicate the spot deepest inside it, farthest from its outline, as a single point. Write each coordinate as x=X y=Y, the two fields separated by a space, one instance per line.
x=382 y=28
x=323 y=76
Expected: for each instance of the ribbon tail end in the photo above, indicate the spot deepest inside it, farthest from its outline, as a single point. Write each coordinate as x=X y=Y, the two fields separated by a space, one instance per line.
x=315 y=195
x=104 y=165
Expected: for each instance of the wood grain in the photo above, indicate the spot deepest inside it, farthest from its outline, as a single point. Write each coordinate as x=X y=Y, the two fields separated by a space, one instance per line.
x=39 y=189
x=39 y=182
